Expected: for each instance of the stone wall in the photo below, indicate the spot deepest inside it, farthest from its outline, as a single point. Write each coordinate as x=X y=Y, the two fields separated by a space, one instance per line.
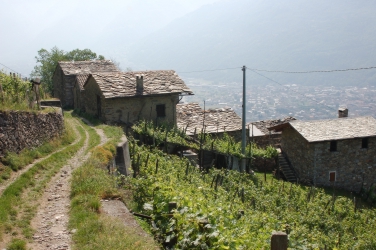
x=266 y=140
x=90 y=103
x=138 y=108
x=128 y=109
x=57 y=80
x=67 y=99
x=21 y=129
x=63 y=87
x=79 y=97
x=354 y=167
x=299 y=153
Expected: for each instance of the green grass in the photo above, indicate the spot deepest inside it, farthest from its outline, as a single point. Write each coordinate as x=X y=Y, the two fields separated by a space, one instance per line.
x=15 y=162
x=90 y=184
x=14 y=200
x=17 y=244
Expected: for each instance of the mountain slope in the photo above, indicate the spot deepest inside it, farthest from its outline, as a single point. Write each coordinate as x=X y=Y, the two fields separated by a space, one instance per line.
x=300 y=35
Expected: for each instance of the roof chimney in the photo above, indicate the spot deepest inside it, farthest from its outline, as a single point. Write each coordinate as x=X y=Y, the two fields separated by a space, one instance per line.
x=140 y=84
x=343 y=112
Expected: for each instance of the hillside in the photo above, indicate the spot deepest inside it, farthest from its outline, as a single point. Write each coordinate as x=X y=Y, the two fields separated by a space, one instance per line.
x=301 y=35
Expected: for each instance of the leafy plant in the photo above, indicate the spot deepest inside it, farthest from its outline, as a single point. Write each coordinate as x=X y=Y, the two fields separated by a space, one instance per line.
x=229 y=210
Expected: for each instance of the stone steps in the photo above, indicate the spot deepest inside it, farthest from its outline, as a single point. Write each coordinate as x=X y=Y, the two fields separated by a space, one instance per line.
x=284 y=166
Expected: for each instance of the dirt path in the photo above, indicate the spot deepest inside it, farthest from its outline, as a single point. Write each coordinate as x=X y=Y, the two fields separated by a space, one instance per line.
x=51 y=221
x=15 y=175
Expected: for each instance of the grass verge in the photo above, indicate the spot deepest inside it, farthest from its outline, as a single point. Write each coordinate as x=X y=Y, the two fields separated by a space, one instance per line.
x=90 y=184
x=15 y=162
x=16 y=213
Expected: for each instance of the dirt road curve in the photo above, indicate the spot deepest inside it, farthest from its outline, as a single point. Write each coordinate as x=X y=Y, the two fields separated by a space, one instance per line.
x=51 y=221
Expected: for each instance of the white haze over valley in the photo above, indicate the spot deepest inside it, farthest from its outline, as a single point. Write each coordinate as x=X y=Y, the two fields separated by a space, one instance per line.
x=201 y=36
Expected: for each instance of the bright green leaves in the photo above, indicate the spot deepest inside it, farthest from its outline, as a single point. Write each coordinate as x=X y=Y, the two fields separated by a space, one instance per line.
x=241 y=211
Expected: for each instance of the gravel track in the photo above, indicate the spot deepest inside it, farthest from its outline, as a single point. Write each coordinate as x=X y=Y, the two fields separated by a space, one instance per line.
x=51 y=221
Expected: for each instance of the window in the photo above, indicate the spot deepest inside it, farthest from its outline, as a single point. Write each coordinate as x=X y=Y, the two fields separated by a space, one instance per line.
x=333 y=146
x=161 y=110
x=365 y=143
x=332 y=176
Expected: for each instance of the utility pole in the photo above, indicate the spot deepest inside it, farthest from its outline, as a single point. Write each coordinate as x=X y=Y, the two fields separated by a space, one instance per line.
x=243 y=121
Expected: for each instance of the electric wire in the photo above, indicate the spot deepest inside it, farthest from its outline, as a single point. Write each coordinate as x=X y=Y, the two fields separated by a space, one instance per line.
x=314 y=100
x=313 y=71
x=207 y=70
x=12 y=70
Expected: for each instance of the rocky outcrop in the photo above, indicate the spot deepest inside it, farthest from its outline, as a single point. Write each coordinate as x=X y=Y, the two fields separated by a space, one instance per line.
x=21 y=129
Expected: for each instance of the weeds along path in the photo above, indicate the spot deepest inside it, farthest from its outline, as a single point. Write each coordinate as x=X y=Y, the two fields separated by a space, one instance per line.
x=51 y=221
x=15 y=175
x=18 y=201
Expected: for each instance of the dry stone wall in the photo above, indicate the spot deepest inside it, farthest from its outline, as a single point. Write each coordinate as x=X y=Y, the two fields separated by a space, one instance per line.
x=21 y=129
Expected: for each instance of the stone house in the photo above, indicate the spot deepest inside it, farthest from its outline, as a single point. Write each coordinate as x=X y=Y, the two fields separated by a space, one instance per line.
x=337 y=152
x=192 y=118
x=126 y=97
x=65 y=74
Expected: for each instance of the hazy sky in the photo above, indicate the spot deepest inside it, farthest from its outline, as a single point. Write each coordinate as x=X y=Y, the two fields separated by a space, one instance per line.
x=26 y=26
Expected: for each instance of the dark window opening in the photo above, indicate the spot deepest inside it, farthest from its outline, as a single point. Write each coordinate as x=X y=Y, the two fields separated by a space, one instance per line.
x=333 y=146
x=161 y=110
x=365 y=143
x=332 y=176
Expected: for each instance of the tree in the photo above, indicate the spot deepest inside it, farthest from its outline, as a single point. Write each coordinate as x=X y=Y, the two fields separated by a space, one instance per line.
x=82 y=55
x=48 y=61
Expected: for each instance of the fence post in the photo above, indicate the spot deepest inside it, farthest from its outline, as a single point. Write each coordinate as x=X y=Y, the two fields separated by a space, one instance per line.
x=279 y=241
x=171 y=206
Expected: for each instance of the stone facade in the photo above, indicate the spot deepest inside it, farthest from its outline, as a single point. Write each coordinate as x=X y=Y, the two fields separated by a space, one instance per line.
x=63 y=87
x=79 y=92
x=350 y=166
x=65 y=74
x=132 y=96
x=128 y=109
x=19 y=130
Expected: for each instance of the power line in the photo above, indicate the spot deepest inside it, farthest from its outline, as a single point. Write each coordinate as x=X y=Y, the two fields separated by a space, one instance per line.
x=209 y=70
x=12 y=70
x=313 y=71
x=291 y=89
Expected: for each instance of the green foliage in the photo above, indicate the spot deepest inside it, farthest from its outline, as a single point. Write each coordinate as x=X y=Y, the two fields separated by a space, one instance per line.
x=17 y=244
x=90 y=183
x=30 y=187
x=225 y=144
x=17 y=161
x=230 y=210
x=47 y=62
x=15 y=94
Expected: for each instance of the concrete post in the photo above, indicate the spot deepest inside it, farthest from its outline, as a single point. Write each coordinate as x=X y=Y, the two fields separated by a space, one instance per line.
x=279 y=241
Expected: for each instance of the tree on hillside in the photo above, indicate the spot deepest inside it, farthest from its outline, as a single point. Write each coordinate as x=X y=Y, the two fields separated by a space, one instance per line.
x=47 y=61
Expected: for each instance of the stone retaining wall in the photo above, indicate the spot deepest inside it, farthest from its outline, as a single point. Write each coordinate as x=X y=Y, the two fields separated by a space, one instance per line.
x=21 y=129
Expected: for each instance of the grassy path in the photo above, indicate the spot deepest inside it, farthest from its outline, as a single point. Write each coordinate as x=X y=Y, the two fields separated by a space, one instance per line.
x=43 y=205
x=15 y=175
x=20 y=198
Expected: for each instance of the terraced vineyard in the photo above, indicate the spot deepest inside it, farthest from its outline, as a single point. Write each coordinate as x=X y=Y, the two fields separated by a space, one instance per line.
x=229 y=210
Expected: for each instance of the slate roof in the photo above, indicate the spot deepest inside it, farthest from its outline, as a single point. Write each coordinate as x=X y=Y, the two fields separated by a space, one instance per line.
x=335 y=129
x=123 y=84
x=264 y=125
x=216 y=120
x=81 y=79
x=87 y=67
